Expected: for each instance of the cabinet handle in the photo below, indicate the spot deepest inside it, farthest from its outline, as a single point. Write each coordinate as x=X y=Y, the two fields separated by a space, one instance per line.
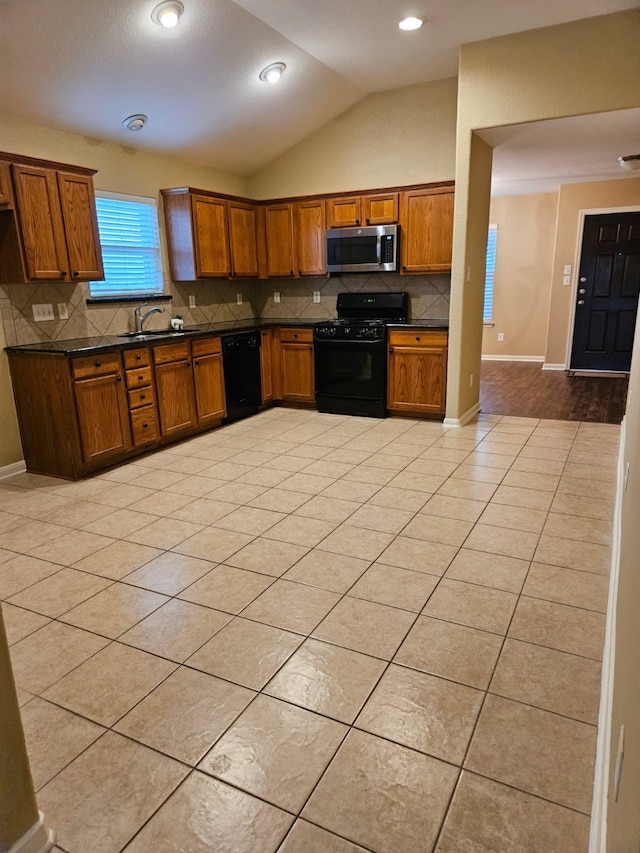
x=144 y=426
x=140 y=378
x=290 y=272
x=119 y=378
x=403 y=267
x=295 y=334
x=197 y=363
x=143 y=396
x=357 y=222
x=417 y=338
x=138 y=357
x=97 y=364
x=63 y=273
x=367 y=220
x=188 y=364
x=76 y=273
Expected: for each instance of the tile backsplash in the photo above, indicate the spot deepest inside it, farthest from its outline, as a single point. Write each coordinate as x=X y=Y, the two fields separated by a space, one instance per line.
x=216 y=301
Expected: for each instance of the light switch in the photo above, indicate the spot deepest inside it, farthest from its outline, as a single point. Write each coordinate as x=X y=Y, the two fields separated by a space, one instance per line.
x=316 y=296
x=276 y=296
x=43 y=312
x=567 y=269
x=192 y=301
x=566 y=280
x=63 y=311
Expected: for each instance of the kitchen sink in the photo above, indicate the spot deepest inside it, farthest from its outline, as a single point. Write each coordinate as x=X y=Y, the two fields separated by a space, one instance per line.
x=156 y=333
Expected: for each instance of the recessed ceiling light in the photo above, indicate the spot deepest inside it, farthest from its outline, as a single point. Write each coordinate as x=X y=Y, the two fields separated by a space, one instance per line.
x=167 y=14
x=411 y=23
x=272 y=73
x=629 y=161
x=136 y=122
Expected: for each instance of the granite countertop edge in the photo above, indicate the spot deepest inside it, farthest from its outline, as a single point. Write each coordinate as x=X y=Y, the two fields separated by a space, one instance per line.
x=79 y=346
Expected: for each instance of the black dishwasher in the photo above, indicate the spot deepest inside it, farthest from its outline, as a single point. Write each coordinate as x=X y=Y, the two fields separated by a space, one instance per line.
x=241 y=363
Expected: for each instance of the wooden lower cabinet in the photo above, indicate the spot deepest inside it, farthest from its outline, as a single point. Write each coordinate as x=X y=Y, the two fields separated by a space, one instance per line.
x=208 y=380
x=102 y=417
x=417 y=371
x=296 y=366
x=266 y=365
x=175 y=388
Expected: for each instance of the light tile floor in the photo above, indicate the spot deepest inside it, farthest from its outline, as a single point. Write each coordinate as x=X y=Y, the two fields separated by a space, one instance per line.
x=310 y=633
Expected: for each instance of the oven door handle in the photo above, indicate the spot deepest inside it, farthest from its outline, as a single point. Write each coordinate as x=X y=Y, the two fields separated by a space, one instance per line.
x=360 y=343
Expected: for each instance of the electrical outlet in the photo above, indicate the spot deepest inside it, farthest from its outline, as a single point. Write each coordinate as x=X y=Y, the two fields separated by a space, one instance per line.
x=500 y=336
x=316 y=296
x=63 y=311
x=43 y=312
x=238 y=299
x=192 y=301
x=276 y=296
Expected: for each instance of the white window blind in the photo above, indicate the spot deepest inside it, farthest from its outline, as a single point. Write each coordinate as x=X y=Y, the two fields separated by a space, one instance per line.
x=128 y=227
x=487 y=315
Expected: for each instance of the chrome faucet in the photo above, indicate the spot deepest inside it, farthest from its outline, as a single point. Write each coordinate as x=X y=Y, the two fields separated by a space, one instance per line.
x=140 y=317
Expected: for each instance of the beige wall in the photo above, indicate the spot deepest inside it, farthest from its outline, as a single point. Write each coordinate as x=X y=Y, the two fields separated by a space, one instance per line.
x=522 y=283
x=10 y=447
x=597 y=195
x=583 y=67
x=405 y=136
x=623 y=823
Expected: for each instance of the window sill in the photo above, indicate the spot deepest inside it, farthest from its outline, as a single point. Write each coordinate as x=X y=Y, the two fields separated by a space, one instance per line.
x=141 y=297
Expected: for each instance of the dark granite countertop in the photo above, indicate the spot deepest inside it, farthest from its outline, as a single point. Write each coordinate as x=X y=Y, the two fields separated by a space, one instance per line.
x=80 y=346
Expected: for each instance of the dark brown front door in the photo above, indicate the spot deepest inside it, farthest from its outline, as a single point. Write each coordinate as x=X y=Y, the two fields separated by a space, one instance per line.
x=607 y=294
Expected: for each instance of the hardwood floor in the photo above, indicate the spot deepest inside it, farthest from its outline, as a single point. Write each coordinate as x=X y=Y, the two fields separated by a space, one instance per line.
x=524 y=389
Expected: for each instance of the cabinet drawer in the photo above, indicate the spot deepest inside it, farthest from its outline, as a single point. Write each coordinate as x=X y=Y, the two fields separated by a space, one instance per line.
x=171 y=352
x=138 y=378
x=296 y=336
x=208 y=346
x=417 y=337
x=136 y=358
x=144 y=425
x=95 y=365
x=141 y=397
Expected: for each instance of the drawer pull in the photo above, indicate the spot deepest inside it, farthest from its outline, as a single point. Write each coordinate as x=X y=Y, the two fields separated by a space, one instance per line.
x=140 y=378
x=98 y=364
x=138 y=357
x=143 y=396
x=144 y=426
x=417 y=337
x=119 y=378
x=295 y=334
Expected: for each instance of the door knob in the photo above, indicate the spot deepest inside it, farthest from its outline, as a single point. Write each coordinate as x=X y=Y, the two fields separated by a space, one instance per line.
x=580 y=301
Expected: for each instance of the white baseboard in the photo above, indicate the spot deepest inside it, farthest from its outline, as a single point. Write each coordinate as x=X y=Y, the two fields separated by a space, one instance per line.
x=547 y=366
x=512 y=358
x=13 y=468
x=38 y=839
x=598 y=831
x=468 y=416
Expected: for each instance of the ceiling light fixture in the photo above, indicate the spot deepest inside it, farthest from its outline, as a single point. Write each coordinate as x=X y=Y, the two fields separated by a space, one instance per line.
x=629 y=161
x=167 y=14
x=411 y=23
x=136 y=122
x=272 y=73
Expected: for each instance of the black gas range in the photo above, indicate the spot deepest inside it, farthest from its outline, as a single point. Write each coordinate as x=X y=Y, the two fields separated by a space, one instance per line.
x=350 y=353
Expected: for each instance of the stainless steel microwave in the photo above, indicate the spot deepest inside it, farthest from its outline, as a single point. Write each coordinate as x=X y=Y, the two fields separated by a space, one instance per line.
x=373 y=248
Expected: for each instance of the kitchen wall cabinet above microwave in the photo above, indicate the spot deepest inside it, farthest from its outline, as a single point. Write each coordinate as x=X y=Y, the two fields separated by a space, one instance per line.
x=48 y=222
x=295 y=238
x=351 y=211
x=209 y=236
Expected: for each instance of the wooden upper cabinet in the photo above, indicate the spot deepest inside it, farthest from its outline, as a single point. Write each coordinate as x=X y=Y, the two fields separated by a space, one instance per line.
x=6 y=195
x=242 y=239
x=373 y=209
x=426 y=218
x=310 y=226
x=279 y=230
x=41 y=227
x=344 y=212
x=210 y=237
x=78 y=205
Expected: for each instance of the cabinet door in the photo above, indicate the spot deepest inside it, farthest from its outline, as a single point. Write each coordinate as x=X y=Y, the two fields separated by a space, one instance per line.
x=380 y=209
x=6 y=196
x=209 y=383
x=210 y=236
x=242 y=239
x=297 y=372
x=78 y=205
x=418 y=377
x=266 y=364
x=426 y=217
x=310 y=241
x=176 y=398
x=344 y=212
x=102 y=417
x=279 y=227
x=41 y=225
